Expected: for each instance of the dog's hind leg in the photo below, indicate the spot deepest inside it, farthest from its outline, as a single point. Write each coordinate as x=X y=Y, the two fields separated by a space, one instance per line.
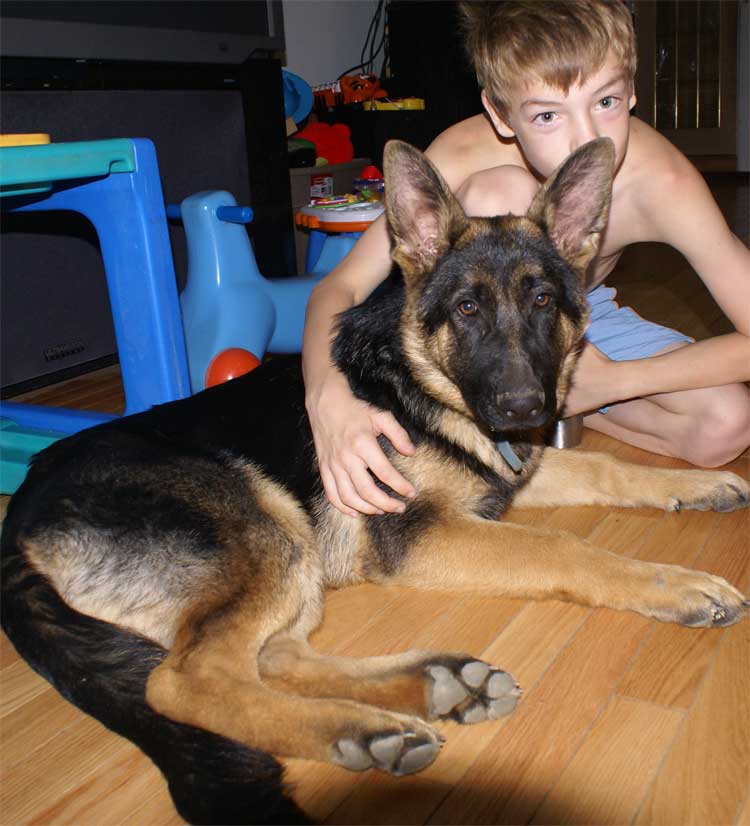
x=210 y=680
x=432 y=686
x=578 y=477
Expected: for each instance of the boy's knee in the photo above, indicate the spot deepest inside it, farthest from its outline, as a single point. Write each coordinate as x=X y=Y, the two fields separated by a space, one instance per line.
x=720 y=432
x=498 y=191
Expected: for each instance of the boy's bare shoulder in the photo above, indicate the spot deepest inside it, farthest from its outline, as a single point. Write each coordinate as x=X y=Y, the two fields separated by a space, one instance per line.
x=654 y=165
x=654 y=179
x=470 y=146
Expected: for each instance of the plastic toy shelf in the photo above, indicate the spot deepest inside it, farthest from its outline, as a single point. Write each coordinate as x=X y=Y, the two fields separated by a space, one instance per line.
x=26 y=170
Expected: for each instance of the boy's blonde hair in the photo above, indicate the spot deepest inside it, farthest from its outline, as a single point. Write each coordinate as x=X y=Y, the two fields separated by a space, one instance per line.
x=558 y=42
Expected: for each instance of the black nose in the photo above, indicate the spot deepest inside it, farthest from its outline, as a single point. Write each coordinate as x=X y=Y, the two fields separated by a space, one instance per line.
x=522 y=407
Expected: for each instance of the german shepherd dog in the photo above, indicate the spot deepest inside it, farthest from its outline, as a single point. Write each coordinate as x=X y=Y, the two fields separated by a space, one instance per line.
x=164 y=571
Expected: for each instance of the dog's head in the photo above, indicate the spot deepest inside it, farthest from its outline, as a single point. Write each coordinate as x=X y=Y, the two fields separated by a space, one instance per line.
x=495 y=307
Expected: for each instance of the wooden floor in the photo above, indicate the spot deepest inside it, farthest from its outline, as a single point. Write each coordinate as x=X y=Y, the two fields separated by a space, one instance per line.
x=623 y=720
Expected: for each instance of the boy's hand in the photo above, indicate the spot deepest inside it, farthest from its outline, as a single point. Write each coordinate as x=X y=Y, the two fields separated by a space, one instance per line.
x=345 y=432
x=594 y=383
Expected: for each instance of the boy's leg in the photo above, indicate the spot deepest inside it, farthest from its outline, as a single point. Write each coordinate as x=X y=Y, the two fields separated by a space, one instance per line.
x=707 y=427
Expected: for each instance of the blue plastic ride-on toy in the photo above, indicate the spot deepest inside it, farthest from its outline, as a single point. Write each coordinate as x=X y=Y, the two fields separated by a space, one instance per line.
x=229 y=309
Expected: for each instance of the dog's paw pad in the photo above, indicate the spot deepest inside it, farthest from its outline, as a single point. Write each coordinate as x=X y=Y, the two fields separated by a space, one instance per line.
x=475 y=673
x=447 y=691
x=418 y=755
x=470 y=691
x=476 y=713
x=501 y=684
x=502 y=707
x=351 y=755
x=386 y=750
x=393 y=752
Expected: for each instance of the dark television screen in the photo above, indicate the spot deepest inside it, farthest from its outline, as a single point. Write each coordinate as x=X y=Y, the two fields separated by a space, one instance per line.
x=202 y=31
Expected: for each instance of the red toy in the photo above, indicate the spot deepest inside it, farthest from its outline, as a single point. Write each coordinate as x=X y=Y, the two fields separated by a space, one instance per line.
x=331 y=142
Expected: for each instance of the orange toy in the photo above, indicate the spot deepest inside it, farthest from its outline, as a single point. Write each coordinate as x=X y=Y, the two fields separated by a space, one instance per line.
x=28 y=139
x=348 y=89
x=229 y=364
x=357 y=88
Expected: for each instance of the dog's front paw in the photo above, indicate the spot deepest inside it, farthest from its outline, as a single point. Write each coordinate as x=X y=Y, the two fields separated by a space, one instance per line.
x=694 y=598
x=705 y=490
x=405 y=748
x=470 y=691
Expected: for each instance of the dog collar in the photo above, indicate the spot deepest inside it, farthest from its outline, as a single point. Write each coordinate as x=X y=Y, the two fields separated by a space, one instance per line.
x=507 y=452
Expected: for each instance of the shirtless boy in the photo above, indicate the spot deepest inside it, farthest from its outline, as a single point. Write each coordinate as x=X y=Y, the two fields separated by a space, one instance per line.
x=556 y=75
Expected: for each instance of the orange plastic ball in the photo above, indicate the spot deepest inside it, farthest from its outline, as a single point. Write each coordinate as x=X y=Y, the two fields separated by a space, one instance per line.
x=229 y=364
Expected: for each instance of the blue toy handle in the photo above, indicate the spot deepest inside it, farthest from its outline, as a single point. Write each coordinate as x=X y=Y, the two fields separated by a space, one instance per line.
x=230 y=214
x=235 y=214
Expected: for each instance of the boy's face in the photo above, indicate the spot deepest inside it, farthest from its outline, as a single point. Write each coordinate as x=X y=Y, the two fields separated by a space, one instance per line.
x=550 y=124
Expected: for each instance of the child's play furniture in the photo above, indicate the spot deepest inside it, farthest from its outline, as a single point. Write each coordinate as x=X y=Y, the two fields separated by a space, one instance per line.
x=334 y=231
x=116 y=185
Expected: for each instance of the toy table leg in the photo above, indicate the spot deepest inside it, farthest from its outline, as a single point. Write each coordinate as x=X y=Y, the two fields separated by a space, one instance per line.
x=315 y=243
x=334 y=250
x=127 y=211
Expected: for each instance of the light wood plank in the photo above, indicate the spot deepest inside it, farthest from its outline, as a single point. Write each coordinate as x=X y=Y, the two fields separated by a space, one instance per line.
x=33 y=723
x=580 y=521
x=526 y=648
x=459 y=624
x=361 y=604
x=671 y=665
x=602 y=784
x=705 y=777
x=744 y=816
x=8 y=654
x=509 y=779
x=18 y=684
x=156 y=809
x=625 y=531
x=673 y=661
x=47 y=774
x=109 y=795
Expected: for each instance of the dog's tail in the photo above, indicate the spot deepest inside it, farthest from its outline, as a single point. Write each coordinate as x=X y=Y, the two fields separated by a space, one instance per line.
x=103 y=669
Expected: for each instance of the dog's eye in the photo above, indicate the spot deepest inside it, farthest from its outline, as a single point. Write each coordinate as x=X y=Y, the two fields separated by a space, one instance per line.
x=467 y=308
x=542 y=299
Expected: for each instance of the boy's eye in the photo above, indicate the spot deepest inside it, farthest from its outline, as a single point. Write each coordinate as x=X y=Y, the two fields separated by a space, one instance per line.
x=545 y=117
x=467 y=308
x=608 y=102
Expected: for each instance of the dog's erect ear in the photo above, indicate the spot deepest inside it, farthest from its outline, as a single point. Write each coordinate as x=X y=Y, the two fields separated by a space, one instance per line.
x=423 y=214
x=573 y=204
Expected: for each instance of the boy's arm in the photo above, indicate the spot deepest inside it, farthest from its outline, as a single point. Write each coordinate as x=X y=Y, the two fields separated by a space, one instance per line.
x=677 y=208
x=344 y=428
x=598 y=381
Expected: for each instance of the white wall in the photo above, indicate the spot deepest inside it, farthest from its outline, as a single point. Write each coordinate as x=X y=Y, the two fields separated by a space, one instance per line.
x=325 y=37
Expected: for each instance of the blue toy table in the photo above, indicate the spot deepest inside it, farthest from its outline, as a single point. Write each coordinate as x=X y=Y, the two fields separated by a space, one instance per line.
x=116 y=185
